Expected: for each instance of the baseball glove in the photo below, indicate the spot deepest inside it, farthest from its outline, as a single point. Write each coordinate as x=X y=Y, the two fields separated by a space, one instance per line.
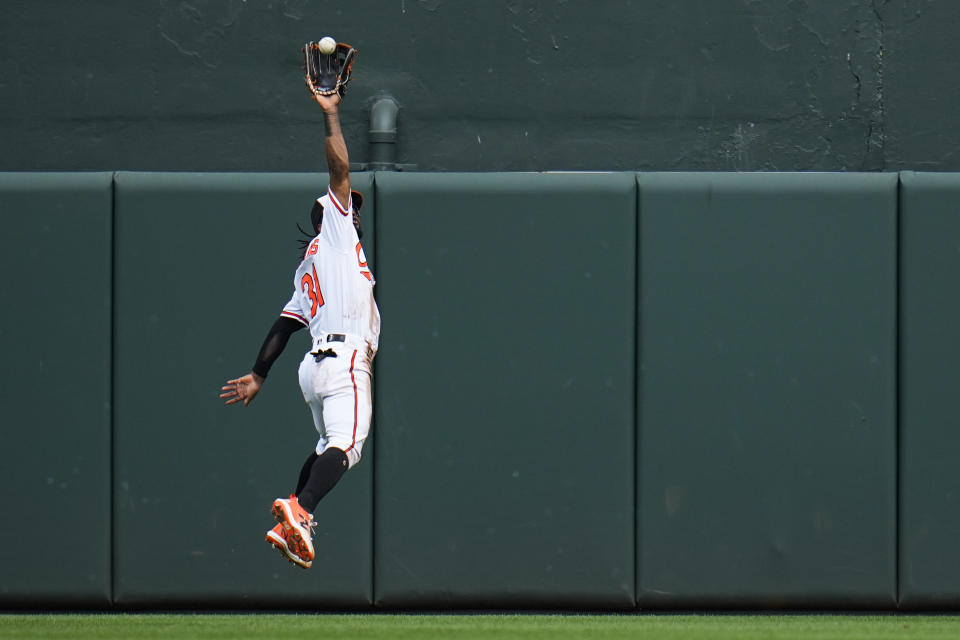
x=328 y=73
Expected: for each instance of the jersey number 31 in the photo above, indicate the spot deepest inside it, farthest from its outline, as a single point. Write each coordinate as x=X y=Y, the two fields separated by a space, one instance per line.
x=310 y=285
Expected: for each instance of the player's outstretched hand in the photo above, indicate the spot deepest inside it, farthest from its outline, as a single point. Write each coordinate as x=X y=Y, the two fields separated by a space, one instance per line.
x=242 y=389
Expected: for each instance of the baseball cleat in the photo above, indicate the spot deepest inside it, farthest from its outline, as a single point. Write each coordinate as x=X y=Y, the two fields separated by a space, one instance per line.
x=297 y=526
x=278 y=538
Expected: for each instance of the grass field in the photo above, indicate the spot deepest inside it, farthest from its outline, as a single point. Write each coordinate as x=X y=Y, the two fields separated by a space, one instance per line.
x=527 y=627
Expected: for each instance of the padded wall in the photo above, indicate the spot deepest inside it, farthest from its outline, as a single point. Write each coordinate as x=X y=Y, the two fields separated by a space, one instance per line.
x=505 y=391
x=929 y=434
x=767 y=443
x=204 y=265
x=505 y=407
x=55 y=431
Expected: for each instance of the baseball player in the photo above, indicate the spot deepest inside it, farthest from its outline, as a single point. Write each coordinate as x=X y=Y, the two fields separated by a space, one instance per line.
x=333 y=298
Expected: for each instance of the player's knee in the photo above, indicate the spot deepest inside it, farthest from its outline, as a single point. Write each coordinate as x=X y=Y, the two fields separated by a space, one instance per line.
x=350 y=452
x=340 y=456
x=353 y=456
x=337 y=456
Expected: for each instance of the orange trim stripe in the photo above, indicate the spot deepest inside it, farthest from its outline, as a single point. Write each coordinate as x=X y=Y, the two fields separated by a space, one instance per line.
x=336 y=203
x=291 y=314
x=353 y=442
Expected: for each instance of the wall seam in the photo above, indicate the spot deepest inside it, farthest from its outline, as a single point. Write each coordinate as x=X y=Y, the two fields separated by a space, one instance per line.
x=112 y=400
x=636 y=391
x=897 y=388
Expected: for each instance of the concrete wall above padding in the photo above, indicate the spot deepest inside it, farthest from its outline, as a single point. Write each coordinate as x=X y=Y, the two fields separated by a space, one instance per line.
x=691 y=85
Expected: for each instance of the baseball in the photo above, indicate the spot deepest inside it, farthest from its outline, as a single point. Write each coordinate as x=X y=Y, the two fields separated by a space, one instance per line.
x=328 y=45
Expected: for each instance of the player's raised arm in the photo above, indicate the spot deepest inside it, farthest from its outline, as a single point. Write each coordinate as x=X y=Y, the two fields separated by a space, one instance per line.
x=338 y=161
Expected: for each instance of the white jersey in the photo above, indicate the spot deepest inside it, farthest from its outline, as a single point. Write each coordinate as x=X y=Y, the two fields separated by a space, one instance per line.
x=333 y=286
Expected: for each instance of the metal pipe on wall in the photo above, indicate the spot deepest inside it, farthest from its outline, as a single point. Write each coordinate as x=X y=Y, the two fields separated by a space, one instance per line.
x=383 y=135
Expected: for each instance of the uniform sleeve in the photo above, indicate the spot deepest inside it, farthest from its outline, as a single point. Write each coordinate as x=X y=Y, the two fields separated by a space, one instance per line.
x=274 y=344
x=337 y=225
x=293 y=311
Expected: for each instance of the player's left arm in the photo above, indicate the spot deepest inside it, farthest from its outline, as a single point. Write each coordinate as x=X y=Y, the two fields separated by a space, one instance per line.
x=246 y=388
x=338 y=160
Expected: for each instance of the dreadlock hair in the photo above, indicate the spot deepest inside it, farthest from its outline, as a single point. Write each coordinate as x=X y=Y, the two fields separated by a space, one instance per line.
x=316 y=218
x=304 y=242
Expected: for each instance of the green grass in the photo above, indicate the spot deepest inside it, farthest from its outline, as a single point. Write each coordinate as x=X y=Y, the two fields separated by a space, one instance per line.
x=526 y=627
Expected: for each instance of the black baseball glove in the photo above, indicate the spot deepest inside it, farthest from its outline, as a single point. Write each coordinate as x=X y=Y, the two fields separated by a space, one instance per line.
x=328 y=73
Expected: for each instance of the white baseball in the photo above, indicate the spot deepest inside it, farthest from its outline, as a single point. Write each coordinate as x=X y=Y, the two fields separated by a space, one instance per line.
x=327 y=45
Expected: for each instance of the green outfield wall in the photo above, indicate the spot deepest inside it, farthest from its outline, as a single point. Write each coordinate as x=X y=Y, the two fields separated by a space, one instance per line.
x=929 y=313
x=56 y=334
x=204 y=264
x=766 y=468
x=504 y=398
x=594 y=391
x=510 y=85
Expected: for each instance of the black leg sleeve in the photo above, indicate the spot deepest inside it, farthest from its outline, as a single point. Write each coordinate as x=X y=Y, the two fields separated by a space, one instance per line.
x=305 y=473
x=325 y=472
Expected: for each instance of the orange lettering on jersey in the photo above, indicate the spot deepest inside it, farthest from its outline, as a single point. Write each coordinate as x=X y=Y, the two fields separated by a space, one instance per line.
x=311 y=286
x=314 y=247
x=361 y=257
x=362 y=262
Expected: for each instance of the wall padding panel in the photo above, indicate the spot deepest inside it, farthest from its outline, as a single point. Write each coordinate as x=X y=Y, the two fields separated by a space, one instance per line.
x=205 y=263
x=505 y=455
x=55 y=255
x=929 y=433
x=767 y=386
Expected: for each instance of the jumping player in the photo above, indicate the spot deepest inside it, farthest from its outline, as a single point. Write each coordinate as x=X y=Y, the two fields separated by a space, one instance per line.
x=333 y=298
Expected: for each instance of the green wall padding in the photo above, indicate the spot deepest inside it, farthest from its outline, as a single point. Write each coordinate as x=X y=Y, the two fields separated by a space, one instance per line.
x=505 y=390
x=767 y=390
x=55 y=434
x=550 y=430
x=929 y=434
x=204 y=265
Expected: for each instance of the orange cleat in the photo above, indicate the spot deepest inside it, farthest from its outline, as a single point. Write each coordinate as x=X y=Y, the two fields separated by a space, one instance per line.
x=278 y=538
x=297 y=527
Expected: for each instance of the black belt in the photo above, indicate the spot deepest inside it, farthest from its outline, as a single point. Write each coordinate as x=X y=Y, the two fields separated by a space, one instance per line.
x=336 y=337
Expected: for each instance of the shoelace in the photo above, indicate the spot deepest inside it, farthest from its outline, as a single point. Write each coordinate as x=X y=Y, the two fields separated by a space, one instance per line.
x=309 y=525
